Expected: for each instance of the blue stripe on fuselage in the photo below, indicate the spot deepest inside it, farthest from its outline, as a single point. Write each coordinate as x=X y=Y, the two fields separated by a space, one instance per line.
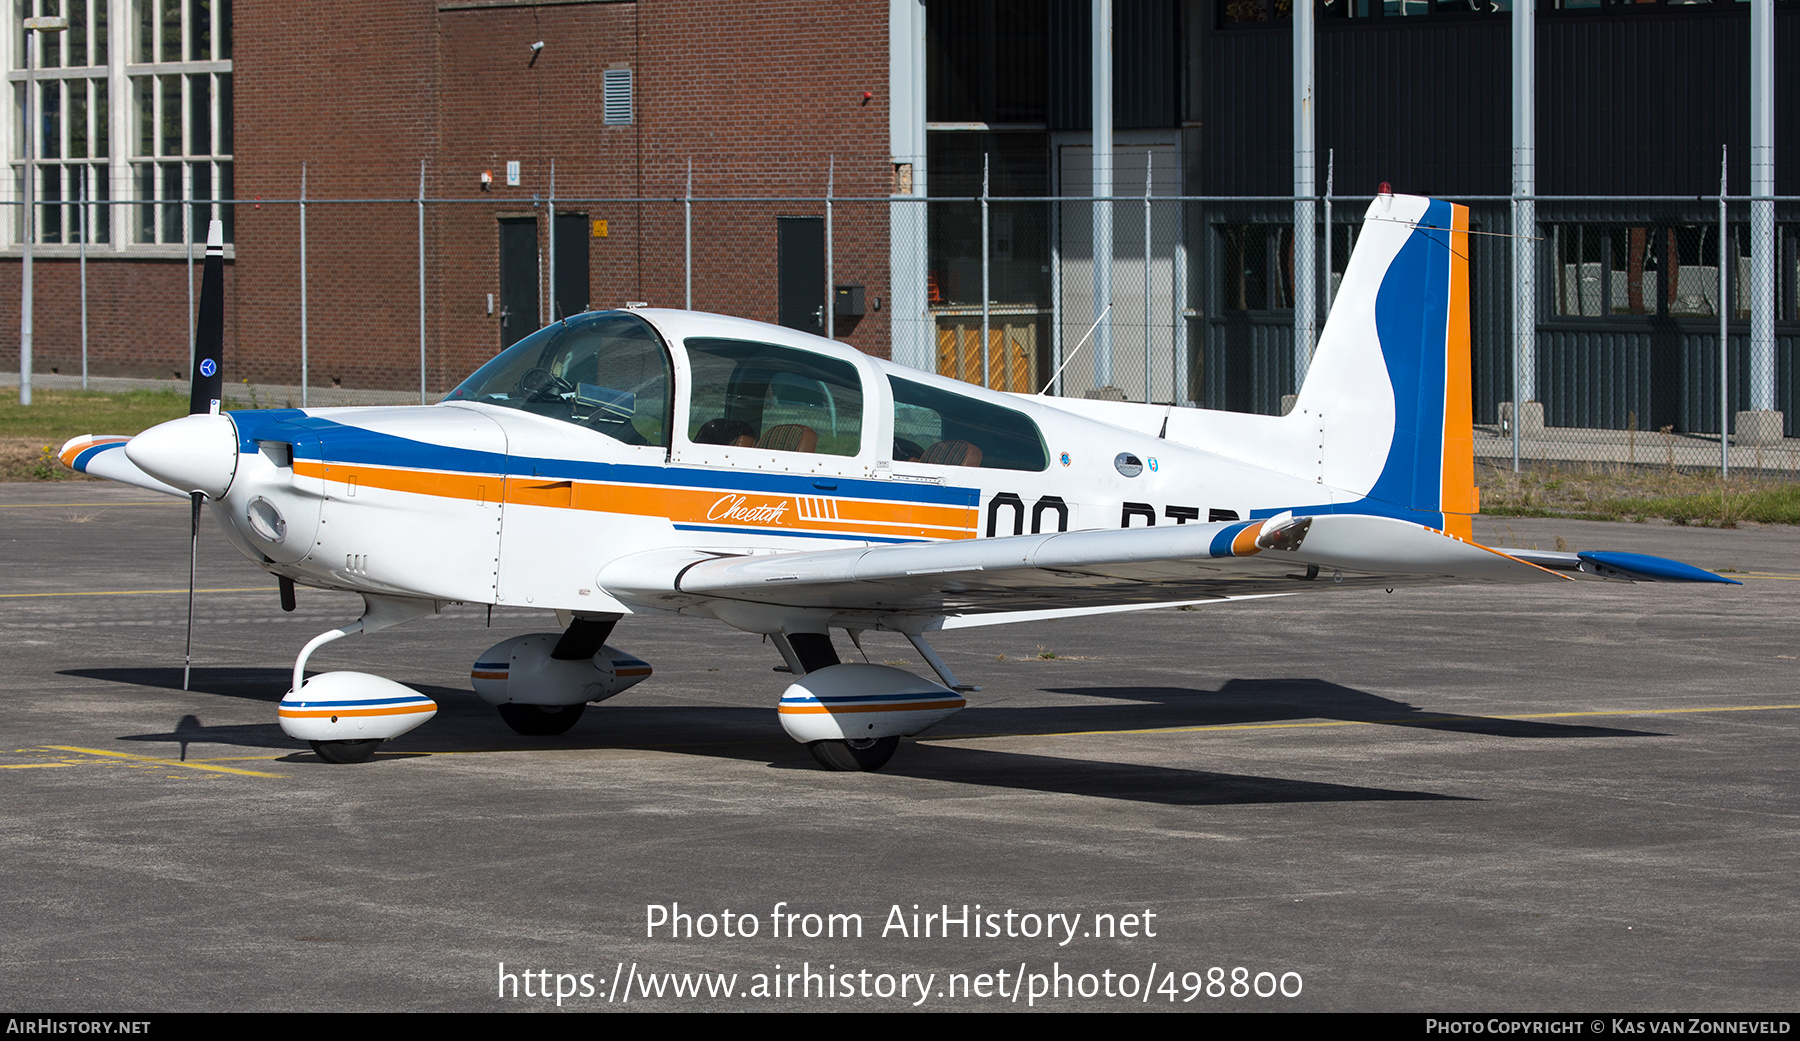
x=343 y=443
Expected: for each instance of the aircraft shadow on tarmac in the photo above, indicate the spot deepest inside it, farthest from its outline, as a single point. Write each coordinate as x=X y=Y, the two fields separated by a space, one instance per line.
x=464 y=724
x=1250 y=702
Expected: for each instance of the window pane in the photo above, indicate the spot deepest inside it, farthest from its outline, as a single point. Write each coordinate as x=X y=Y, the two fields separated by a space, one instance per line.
x=146 y=211
x=50 y=216
x=171 y=31
x=50 y=44
x=77 y=32
x=145 y=92
x=1250 y=12
x=78 y=119
x=21 y=11
x=932 y=425
x=99 y=217
x=50 y=119
x=776 y=398
x=171 y=209
x=100 y=33
x=169 y=142
x=199 y=30
x=224 y=30
x=227 y=212
x=146 y=30
x=225 y=113
x=200 y=114
x=1632 y=285
x=102 y=128
x=200 y=215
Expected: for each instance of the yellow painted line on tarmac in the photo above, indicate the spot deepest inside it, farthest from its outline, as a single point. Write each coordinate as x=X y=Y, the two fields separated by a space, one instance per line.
x=1761 y=574
x=1314 y=724
x=158 y=761
x=33 y=766
x=142 y=592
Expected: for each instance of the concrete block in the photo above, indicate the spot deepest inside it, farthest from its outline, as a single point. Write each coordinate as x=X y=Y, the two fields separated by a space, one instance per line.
x=1531 y=420
x=1762 y=427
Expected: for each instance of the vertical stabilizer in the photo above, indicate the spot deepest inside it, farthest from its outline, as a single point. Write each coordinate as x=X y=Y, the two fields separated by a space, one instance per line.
x=1389 y=385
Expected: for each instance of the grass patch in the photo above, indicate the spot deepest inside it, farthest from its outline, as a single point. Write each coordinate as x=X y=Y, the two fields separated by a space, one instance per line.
x=1606 y=491
x=30 y=435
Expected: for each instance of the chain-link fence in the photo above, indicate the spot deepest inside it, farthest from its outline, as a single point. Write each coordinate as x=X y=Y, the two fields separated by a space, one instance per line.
x=1633 y=330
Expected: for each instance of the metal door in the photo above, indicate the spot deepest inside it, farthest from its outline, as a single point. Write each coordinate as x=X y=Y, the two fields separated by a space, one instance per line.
x=571 y=295
x=800 y=245
x=518 y=279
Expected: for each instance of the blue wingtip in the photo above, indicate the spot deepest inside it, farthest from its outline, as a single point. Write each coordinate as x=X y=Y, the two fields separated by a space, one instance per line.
x=1639 y=567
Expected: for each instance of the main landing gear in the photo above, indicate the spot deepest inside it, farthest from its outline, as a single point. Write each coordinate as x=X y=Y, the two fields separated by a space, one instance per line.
x=541 y=720
x=851 y=717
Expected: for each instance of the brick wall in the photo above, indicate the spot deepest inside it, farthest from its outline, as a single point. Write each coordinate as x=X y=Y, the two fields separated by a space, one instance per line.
x=758 y=95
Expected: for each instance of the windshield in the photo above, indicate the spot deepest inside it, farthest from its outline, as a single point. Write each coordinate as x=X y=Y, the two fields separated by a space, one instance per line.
x=606 y=371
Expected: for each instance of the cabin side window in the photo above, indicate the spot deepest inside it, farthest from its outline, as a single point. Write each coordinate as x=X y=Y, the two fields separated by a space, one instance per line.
x=947 y=429
x=757 y=395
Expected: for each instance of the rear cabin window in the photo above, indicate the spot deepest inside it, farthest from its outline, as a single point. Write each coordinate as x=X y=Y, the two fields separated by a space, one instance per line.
x=948 y=429
x=758 y=395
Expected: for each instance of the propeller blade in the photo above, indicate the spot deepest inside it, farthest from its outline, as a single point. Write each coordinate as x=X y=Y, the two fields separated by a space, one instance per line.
x=209 y=327
x=208 y=388
x=193 y=565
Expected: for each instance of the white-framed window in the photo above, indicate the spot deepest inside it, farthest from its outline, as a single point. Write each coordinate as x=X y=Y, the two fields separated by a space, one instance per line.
x=132 y=111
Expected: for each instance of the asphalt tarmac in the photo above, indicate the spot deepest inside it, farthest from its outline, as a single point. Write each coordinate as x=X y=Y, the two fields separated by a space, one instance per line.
x=1475 y=799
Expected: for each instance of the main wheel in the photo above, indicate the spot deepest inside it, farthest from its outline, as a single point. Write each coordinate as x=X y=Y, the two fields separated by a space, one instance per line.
x=866 y=754
x=345 y=751
x=541 y=720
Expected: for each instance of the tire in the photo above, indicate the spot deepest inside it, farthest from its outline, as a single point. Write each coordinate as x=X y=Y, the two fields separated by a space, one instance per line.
x=854 y=756
x=345 y=751
x=541 y=720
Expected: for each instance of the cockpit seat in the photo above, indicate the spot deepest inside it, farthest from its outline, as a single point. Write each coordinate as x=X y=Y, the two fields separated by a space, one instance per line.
x=952 y=453
x=790 y=437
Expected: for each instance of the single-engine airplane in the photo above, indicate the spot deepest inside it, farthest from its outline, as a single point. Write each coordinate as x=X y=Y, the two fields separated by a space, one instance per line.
x=633 y=461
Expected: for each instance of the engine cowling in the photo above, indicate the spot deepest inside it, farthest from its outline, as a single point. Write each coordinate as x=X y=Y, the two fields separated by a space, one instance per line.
x=856 y=701
x=520 y=671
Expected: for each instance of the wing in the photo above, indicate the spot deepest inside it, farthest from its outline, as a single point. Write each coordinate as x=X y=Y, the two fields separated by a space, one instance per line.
x=1048 y=575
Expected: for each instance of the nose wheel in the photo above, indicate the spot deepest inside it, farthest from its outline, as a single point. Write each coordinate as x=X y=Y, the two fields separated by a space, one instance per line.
x=854 y=756
x=541 y=720
x=345 y=751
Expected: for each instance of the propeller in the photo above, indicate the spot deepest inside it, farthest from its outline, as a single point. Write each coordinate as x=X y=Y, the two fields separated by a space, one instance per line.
x=208 y=386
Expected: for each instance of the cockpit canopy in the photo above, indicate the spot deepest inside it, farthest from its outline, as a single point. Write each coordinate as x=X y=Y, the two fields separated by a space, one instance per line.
x=606 y=371
x=609 y=372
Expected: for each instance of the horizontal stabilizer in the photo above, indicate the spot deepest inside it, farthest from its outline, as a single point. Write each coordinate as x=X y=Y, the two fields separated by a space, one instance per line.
x=1630 y=567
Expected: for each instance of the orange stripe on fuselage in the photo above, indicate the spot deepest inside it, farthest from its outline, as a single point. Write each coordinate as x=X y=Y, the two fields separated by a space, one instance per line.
x=779 y=514
x=1458 y=496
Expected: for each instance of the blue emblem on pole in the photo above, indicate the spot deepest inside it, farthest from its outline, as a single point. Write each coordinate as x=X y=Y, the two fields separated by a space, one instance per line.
x=208 y=367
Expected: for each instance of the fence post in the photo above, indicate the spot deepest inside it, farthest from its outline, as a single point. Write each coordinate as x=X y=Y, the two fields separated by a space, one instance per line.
x=550 y=209
x=986 y=364
x=1056 y=299
x=187 y=236
x=305 y=378
x=1147 y=162
x=421 y=281
x=687 y=240
x=829 y=312
x=1724 y=332
x=84 y=237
